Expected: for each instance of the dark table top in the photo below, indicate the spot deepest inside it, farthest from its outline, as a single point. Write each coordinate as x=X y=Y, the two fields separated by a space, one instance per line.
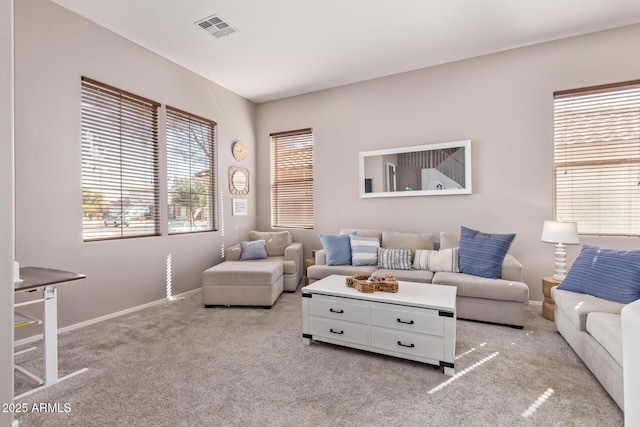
x=37 y=277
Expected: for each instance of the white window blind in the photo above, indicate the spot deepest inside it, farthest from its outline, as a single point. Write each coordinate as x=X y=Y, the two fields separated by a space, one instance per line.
x=597 y=158
x=292 y=179
x=190 y=172
x=120 y=190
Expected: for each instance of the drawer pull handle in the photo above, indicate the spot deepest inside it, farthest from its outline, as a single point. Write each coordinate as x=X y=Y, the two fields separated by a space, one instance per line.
x=336 y=311
x=410 y=322
x=340 y=332
x=405 y=345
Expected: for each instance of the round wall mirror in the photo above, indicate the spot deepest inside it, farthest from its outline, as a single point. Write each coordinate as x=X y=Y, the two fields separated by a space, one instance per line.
x=238 y=180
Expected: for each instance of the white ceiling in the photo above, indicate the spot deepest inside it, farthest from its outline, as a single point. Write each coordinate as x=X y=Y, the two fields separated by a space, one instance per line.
x=289 y=47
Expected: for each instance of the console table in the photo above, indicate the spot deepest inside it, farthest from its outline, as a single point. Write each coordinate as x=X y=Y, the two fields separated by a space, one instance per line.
x=45 y=279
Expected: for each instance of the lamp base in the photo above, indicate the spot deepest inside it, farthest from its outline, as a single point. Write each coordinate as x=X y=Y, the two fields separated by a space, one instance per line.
x=561 y=263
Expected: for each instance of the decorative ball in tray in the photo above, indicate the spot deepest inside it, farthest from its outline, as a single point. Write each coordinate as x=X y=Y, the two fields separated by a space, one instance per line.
x=369 y=284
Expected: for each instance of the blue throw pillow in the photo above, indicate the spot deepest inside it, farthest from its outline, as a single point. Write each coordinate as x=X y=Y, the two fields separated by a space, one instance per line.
x=364 y=250
x=609 y=274
x=337 y=248
x=482 y=254
x=253 y=250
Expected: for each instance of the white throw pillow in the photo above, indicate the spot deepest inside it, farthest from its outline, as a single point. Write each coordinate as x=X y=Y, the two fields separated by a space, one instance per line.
x=442 y=260
x=364 y=250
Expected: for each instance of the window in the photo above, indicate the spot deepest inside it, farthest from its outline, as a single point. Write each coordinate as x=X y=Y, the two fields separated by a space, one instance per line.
x=597 y=158
x=120 y=191
x=292 y=179
x=190 y=172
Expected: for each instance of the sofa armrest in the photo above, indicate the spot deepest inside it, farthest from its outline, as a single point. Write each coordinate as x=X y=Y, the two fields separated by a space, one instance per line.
x=321 y=257
x=511 y=269
x=233 y=252
x=294 y=252
x=631 y=358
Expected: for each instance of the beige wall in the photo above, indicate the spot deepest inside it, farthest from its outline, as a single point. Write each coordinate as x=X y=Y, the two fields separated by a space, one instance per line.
x=502 y=102
x=123 y=273
x=6 y=208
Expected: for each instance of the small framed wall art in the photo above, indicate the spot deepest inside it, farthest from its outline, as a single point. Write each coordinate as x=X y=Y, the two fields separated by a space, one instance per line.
x=239 y=207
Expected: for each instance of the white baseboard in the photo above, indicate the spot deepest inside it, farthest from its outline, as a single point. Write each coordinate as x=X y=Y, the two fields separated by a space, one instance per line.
x=38 y=337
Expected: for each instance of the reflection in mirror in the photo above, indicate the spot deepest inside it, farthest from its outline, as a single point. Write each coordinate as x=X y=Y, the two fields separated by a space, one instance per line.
x=239 y=180
x=422 y=170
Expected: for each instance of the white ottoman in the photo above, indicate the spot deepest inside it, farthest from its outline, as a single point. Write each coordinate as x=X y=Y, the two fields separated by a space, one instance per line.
x=242 y=283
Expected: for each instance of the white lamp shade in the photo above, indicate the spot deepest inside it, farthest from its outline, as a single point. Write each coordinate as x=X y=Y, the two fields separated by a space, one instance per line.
x=560 y=232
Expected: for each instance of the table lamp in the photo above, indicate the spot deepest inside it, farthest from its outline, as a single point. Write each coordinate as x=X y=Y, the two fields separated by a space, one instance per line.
x=560 y=233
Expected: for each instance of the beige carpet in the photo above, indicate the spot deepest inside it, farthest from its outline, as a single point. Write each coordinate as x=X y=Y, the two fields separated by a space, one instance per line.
x=179 y=364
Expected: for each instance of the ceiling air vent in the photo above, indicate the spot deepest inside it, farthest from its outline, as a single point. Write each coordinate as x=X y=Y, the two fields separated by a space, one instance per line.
x=216 y=26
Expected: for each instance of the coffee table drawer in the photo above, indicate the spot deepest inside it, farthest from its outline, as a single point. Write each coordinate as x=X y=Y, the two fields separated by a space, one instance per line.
x=356 y=333
x=411 y=319
x=339 y=308
x=408 y=343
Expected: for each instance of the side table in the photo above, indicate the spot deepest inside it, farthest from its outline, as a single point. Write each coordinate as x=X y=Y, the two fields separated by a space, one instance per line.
x=548 y=304
x=308 y=262
x=45 y=279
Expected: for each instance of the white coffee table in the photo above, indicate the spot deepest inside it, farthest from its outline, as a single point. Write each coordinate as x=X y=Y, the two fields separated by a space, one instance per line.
x=417 y=323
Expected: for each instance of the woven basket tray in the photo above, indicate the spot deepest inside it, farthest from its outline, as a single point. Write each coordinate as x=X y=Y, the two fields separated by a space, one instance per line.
x=385 y=283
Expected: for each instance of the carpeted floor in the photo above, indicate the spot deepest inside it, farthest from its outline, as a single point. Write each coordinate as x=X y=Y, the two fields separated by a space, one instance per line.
x=179 y=364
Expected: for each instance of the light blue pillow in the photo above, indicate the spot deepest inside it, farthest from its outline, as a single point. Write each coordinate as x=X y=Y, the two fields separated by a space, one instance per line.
x=609 y=274
x=482 y=254
x=253 y=250
x=337 y=248
x=394 y=259
x=364 y=250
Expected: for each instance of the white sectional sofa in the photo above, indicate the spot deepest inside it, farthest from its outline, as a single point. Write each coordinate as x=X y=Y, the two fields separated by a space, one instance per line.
x=590 y=304
x=591 y=326
x=631 y=355
x=500 y=300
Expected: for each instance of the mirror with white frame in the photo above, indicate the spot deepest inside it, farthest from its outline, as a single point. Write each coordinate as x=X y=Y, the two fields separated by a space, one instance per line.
x=421 y=170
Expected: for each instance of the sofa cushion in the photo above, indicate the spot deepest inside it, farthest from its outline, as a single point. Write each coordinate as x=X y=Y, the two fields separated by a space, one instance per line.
x=276 y=241
x=366 y=232
x=253 y=250
x=481 y=254
x=245 y=273
x=605 y=273
x=576 y=306
x=606 y=328
x=320 y=271
x=449 y=240
x=432 y=260
x=419 y=276
x=401 y=240
x=288 y=266
x=394 y=259
x=364 y=250
x=481 y=287
x=337 y=248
